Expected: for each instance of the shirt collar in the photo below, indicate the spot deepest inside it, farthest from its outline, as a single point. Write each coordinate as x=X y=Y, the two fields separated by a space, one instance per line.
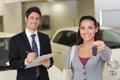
x=28 y=33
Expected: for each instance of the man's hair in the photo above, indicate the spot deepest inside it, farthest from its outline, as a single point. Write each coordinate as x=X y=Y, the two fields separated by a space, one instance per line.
x=33 y=9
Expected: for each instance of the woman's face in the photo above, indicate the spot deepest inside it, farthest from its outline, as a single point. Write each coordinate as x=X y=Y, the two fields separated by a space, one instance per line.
x=87 y=30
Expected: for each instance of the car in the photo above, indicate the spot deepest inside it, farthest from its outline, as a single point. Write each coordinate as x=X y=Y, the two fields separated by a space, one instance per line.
x=64 y=38
x=54 y=72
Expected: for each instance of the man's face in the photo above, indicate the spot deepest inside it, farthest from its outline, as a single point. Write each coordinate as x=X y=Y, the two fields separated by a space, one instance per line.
x=33 y=21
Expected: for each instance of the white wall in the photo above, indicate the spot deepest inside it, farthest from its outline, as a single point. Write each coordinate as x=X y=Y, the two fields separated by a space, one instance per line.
x=62 y=15
x=1 y=15
x=12 y=17
x=66 y=14
x=14 y=1
x=85 y=7
x=1 y=7
x=105 y=5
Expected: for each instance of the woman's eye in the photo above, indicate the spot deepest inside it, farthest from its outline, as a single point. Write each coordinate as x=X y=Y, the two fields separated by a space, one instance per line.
x=31 y=18
x=90 y=27
x=82 y=28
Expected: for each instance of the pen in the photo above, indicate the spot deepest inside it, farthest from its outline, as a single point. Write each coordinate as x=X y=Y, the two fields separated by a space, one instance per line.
x=27 y=52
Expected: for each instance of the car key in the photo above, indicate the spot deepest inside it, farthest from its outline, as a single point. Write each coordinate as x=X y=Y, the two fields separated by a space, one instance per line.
x=94 y=50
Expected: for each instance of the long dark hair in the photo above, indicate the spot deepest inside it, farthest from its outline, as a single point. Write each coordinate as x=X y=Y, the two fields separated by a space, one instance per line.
x=98 y=34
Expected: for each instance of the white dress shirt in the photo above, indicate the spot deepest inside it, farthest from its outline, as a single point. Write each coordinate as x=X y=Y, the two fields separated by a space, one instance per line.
x=28 y=33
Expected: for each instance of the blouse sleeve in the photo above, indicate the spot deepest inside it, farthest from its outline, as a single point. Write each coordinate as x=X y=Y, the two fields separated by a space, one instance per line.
x=106 y=54
x=67 y=64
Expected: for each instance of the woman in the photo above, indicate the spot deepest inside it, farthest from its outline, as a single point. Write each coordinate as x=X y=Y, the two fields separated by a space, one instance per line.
x=85 y=65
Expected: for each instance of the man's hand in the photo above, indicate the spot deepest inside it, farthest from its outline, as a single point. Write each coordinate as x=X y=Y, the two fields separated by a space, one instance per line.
x=30 y=57
x=45 y=62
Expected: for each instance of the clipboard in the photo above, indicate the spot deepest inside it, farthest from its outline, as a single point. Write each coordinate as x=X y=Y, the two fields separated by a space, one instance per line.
x=37 y=60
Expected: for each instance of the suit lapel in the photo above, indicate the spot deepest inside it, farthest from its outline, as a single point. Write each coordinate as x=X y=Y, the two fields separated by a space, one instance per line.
x=41 y=43
x=26 y=42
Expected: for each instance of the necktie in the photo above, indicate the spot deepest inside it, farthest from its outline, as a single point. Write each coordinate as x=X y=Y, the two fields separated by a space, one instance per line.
x=34 y=45
x=35 y=49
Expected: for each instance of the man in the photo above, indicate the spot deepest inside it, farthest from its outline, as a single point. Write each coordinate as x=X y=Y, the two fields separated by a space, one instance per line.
x=23 y=49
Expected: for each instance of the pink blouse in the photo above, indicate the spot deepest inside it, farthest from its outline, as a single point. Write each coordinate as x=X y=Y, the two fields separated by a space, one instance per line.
x=84 y=60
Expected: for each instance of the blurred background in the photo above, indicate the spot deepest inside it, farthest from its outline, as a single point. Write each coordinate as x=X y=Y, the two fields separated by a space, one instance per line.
x=58 y=13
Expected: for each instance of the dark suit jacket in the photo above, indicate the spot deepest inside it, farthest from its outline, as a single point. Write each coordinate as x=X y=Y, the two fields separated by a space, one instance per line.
x=19 y=44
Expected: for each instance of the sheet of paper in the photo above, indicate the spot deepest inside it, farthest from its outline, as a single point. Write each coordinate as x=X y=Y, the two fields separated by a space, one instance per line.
x=38 y=59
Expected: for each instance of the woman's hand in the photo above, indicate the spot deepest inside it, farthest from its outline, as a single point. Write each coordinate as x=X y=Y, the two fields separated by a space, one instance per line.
x=100 y=45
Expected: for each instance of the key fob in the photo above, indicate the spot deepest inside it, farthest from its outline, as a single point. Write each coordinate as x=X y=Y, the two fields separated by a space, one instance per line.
x=94 y=50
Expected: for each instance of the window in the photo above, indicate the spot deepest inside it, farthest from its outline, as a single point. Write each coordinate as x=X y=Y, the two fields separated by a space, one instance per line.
x=4 y=44
x=65 y=38
x=111 y=38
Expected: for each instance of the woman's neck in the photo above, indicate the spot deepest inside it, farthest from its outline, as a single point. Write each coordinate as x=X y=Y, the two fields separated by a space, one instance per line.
x=87 y=44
